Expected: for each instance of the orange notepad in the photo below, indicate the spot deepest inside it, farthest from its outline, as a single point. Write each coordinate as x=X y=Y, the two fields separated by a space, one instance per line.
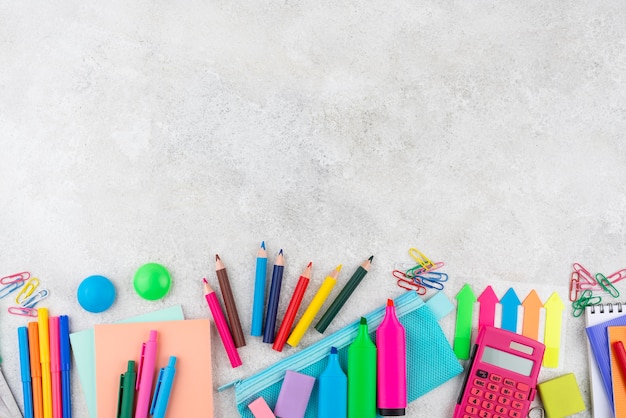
x=618 y=378
x=189 y=341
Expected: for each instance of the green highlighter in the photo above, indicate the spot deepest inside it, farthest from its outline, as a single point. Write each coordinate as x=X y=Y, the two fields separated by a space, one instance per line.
x=126 y=397
x=362 y=375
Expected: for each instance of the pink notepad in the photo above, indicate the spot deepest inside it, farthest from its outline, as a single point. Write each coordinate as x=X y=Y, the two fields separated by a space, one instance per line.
x=189 y=341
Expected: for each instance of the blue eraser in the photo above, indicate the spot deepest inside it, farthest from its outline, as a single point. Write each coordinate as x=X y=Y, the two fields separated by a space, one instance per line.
x=96 y=294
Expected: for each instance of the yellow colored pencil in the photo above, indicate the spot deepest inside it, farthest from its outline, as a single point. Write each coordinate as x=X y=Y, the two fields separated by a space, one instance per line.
x=44 y=355
x=314 y=307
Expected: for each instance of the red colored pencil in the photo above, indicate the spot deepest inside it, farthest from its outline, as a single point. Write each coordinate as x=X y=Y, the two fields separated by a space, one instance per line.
x=292 y=309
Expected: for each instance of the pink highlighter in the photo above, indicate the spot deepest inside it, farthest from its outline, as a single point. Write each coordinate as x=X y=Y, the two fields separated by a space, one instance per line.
x=55 y=367
x=391 y=344
x=145 y=375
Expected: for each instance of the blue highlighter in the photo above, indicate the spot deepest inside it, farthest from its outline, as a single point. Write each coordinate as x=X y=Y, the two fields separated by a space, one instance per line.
x=22 y=334
x=333 y=389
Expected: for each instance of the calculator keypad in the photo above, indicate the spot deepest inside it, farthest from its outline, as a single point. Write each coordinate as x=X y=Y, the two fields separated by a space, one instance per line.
x=492 y=396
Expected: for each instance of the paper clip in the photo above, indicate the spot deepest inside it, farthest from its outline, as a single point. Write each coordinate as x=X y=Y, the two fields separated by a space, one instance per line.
x=10 y=288
x=574 y=286
x=21 y=310
x=35 y=298
x=407 y=284
x=18 y=277
x=28 y=290
x=433 y=279
x=421 y=259
x=586 y=299
x=417 y=270
x=586 y=280
x=617 y=276
x=606 y=285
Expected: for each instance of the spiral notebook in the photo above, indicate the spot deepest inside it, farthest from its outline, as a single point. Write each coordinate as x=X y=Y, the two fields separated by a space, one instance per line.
x=597 y=319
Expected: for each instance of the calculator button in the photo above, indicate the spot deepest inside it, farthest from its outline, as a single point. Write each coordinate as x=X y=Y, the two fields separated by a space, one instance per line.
x=496 y=378
x=520 y=396
x=471 y=410
x=493 y=387
x=501 y=410
x=476 y=392
x=517 y=405
x=480 y=383
x=487 y=405
x=490 y=396
x=473 y=401
x=482 y=374
x=523 y=387
x=484 y=414
x=467 y=416
x=504 y=400
x=509 y=382
x=496 y=416
x=507 y=392
x=515 y=414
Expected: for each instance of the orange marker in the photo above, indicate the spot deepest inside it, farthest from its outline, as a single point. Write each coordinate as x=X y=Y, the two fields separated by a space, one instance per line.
x=35 y=368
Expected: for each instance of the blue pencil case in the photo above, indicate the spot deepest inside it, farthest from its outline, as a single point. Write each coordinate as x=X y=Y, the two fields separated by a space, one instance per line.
x=424 y=371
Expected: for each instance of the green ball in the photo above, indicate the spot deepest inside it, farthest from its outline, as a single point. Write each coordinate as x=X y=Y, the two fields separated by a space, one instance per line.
x=152 y=281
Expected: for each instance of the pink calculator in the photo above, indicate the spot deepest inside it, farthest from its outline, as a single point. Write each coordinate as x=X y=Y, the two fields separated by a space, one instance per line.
x=503 y=372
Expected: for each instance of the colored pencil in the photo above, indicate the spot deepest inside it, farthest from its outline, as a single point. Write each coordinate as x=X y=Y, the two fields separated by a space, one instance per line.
x=229 y=303
x=259 y=292
x=343 y=296
x=292 y=309
x=221 y=325
x=314 y=307
x=272 y=303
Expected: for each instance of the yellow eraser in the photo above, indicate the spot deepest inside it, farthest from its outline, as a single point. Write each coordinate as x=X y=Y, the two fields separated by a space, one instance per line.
x=561 y=396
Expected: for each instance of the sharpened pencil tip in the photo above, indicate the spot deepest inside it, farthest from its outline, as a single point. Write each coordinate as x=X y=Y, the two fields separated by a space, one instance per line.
x=339 y=267
x=280 y=252
x=371 y=258
x=310 y=264
x=217 y=257
x=263 y=244
x=204 y=280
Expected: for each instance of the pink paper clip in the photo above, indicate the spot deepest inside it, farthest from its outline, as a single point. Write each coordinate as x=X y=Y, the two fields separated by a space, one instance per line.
x=586 y=280
x=18 y=277
x=617 y=276
x=574 y=286
x=20 y=310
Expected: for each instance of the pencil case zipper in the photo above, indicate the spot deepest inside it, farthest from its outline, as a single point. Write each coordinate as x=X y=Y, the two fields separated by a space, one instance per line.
x=246 y=388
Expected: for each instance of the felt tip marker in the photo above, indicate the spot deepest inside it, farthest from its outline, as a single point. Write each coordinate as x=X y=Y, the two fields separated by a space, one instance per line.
x=391 y=345
x=333 y=389
x=362 y=375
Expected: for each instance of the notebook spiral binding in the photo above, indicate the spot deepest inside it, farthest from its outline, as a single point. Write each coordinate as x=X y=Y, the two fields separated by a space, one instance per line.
x=609 y=307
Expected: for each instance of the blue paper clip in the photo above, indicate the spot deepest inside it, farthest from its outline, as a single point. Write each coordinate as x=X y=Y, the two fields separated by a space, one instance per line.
x=406 y=283
x=10 y=288
x=433 y=279
x=18 y=277
x=35 y=299
x=28 y=290
x=606 y=285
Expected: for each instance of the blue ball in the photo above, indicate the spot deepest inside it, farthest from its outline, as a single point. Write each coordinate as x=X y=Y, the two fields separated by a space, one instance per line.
x=96 y=294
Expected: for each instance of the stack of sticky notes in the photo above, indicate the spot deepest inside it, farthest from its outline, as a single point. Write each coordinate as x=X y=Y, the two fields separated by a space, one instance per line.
x=561 y=396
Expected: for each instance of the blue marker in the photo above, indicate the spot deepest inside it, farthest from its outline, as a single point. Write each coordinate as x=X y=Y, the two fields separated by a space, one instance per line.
x=22 y=334
x=66 y=387
x=163 y=388
x=333 y=389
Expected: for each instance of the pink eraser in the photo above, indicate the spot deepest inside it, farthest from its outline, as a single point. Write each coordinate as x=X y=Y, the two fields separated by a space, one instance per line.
x=260 y=409
x=294 y=395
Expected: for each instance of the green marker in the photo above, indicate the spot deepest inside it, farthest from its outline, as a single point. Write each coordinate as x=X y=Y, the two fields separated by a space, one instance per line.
x=463 y=333
x=362 y=375
x=127 y=392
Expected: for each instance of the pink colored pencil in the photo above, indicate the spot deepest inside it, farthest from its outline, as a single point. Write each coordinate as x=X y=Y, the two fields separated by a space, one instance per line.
x=55 y=367
x=222 y=326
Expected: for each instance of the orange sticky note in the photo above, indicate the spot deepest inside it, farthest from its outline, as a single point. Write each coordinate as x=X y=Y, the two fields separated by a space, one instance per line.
x=619 y=380
x=189 y=341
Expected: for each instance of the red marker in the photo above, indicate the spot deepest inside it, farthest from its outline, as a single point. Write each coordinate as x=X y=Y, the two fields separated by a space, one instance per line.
x=620 y=355
x=292 y=309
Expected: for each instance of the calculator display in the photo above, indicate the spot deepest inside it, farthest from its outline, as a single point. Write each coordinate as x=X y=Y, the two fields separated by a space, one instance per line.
x=507 y=361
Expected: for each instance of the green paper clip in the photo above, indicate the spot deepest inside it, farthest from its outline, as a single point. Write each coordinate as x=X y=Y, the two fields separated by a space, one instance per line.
x=606 y=285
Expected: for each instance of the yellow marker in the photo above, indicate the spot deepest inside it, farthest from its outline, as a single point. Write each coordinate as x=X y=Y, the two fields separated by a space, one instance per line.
x=313 y=308
x=44 y=355
x=552 y=336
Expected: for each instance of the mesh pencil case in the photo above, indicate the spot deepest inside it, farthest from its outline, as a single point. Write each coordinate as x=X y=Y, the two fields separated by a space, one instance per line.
x=424 y=372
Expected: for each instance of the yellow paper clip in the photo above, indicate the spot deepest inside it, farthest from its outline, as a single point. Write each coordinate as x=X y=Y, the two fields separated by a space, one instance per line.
x=421 y=259
x=10 y=288
x=18 y=277
x=606 y=285
x=28 y=290
x=20 y=310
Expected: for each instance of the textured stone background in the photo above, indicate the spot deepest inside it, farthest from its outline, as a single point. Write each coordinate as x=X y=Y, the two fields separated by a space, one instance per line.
x=490 y=136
